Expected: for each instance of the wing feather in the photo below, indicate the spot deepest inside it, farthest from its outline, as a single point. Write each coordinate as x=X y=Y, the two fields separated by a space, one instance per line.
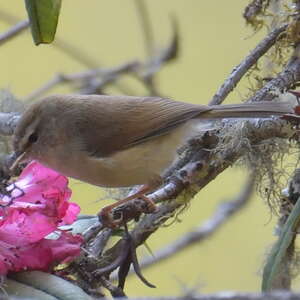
x=124 y=121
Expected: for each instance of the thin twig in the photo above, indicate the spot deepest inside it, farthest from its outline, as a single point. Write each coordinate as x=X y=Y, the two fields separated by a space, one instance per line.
x=239 y=71
x=74 y=52
x=284 y=81
x=145 y=73
x=14 y=31
x=107 y=76
x=146 y=27
x=93 y=81
x=115 y=291
x=222 y=214
x=57 y=79
x=100 y=242
x=155 y=63
x=80 y=56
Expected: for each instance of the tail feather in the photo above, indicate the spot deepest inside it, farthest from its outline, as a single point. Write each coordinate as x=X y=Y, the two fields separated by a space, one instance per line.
x=249 y=110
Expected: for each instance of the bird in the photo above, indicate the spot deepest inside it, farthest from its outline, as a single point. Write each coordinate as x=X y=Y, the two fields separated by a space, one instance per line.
x=118 y=141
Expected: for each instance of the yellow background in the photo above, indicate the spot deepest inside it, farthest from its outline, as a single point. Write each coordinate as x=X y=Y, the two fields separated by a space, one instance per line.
x=213 y=39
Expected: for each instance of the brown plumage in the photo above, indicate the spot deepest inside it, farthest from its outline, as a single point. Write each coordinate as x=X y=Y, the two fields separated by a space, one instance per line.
x=111 y=123
x=118 y=141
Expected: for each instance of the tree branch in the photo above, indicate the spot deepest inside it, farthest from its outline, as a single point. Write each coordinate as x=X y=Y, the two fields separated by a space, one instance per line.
x=89 y=78
x=284 y=81
x=186 y=182
x=194 y=171
x=71 y=50
x=210 y=168
x=14 y=31
x=239 y=71
x=222 y=214
x=93 y=81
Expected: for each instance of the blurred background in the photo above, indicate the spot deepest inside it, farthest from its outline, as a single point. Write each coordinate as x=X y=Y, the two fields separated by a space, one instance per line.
x=213 y=39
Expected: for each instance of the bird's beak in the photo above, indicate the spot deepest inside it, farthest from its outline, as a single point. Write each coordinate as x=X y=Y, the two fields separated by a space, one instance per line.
x=17 y=158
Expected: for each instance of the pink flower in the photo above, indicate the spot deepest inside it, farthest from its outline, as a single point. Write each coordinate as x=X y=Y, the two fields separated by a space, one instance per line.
x=37 y=206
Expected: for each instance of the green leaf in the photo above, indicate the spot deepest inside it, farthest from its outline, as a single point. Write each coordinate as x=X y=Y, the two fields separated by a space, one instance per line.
x=43 y=16
x=279 y=251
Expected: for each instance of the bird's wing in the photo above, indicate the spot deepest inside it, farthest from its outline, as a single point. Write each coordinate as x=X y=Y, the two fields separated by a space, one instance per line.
x=124 y=121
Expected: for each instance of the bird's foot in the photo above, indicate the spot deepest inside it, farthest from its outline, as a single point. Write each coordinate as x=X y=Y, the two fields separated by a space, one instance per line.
x=112 y=216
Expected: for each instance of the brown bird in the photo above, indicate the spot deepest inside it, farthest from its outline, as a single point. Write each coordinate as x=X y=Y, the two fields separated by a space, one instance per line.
x=118 y=141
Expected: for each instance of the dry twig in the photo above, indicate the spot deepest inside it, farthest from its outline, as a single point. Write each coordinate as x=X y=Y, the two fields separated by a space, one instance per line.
x=145 y=22
x=222 y=214
x=239 y=71
x=14 y=31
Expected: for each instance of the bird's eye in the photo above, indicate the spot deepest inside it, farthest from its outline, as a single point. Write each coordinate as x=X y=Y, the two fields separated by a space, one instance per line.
x=33 y=138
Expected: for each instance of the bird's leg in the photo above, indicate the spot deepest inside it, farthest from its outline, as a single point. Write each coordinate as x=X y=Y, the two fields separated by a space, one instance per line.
x=106 y=216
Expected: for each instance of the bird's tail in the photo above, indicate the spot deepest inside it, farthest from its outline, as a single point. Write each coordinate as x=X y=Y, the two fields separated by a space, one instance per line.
x=249 y=110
